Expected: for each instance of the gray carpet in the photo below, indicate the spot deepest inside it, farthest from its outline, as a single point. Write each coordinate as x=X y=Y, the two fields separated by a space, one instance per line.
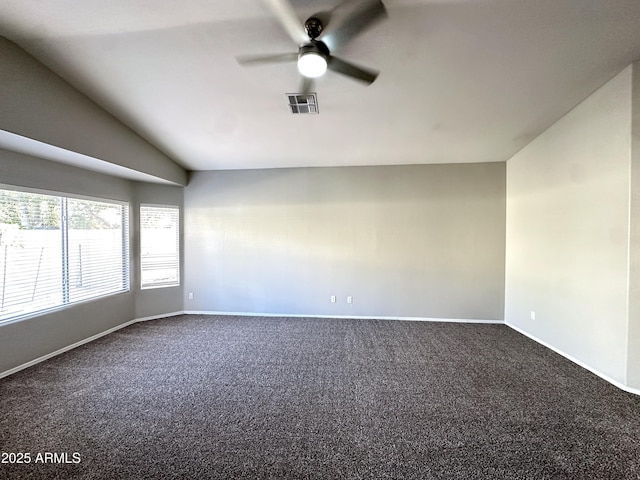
x=254 y=398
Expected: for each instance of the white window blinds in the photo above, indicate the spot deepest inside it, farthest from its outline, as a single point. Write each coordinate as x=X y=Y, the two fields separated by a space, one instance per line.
x=159 y=246
x=56 y=251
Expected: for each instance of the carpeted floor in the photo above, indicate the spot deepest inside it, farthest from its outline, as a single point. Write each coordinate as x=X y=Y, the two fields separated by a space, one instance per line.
x=202 y=397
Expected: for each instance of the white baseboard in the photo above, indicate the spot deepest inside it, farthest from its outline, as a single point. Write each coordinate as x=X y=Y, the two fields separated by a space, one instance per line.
x=605 y=377
x=156 y=317
x=356 y=317
x=253 y=314
x=216 y=313
x=83 y=342
x=65 y=349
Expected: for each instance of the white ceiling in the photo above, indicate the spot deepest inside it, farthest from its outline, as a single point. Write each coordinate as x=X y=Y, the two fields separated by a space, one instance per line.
x=461 y=80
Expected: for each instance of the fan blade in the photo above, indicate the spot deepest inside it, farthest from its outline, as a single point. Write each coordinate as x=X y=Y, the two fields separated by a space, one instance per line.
x=259 y=59
x=306 y=85
x=350 y=70
x=289 y=20
x=350 y=19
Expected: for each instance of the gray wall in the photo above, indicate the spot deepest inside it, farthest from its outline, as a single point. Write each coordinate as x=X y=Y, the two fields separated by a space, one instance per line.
x=29 y=339
x=568 y=232
x=38 y=104
x=406 y=241
x=413 y=241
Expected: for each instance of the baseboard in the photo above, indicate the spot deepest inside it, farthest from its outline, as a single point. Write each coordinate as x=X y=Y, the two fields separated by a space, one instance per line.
x=156 y=317
x=43 y=358
x=83 y=342
x=356 y=317
x=605 y=377
x=64 y=349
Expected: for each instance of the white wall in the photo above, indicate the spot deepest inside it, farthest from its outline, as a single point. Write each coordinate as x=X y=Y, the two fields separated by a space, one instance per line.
x=568 y=232
x=412 y=241
x=633 y=355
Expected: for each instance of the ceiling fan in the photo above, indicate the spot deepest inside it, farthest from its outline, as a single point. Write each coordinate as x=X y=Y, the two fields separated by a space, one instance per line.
x=319 y=35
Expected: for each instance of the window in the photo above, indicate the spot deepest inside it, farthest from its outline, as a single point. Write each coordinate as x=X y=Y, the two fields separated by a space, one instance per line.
x=159 y=246
x=56 y=251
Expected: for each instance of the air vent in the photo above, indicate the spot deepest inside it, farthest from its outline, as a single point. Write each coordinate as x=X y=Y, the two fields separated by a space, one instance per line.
x=302 y=103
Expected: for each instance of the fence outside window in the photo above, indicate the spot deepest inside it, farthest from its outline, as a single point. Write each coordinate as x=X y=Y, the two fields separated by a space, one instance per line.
x=56 y=251
x=159 y=246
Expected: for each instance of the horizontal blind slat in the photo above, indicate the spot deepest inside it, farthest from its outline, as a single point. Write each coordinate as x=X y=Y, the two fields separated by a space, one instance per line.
x=159 y=246
x=33 y=264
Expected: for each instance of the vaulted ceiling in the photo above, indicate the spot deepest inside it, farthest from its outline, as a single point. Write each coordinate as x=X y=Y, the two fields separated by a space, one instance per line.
x=461 y=80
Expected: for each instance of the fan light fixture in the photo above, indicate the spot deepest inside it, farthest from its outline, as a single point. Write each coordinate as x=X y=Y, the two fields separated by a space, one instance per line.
x=312 y=64
x=314 y=57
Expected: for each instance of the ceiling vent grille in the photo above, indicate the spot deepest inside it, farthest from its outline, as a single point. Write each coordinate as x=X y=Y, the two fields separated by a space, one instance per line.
x=302 y=103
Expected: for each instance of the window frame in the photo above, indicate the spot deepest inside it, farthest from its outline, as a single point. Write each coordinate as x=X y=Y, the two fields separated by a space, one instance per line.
x=178 y=253
x=125 y=244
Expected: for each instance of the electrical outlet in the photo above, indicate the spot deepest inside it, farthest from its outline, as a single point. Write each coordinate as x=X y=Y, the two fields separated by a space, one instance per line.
x=349 y=299
x=190 y=295
x=333 y=299
x=533 y=315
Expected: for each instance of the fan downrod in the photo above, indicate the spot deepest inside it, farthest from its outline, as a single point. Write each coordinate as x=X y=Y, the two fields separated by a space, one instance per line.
x=314 y=27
